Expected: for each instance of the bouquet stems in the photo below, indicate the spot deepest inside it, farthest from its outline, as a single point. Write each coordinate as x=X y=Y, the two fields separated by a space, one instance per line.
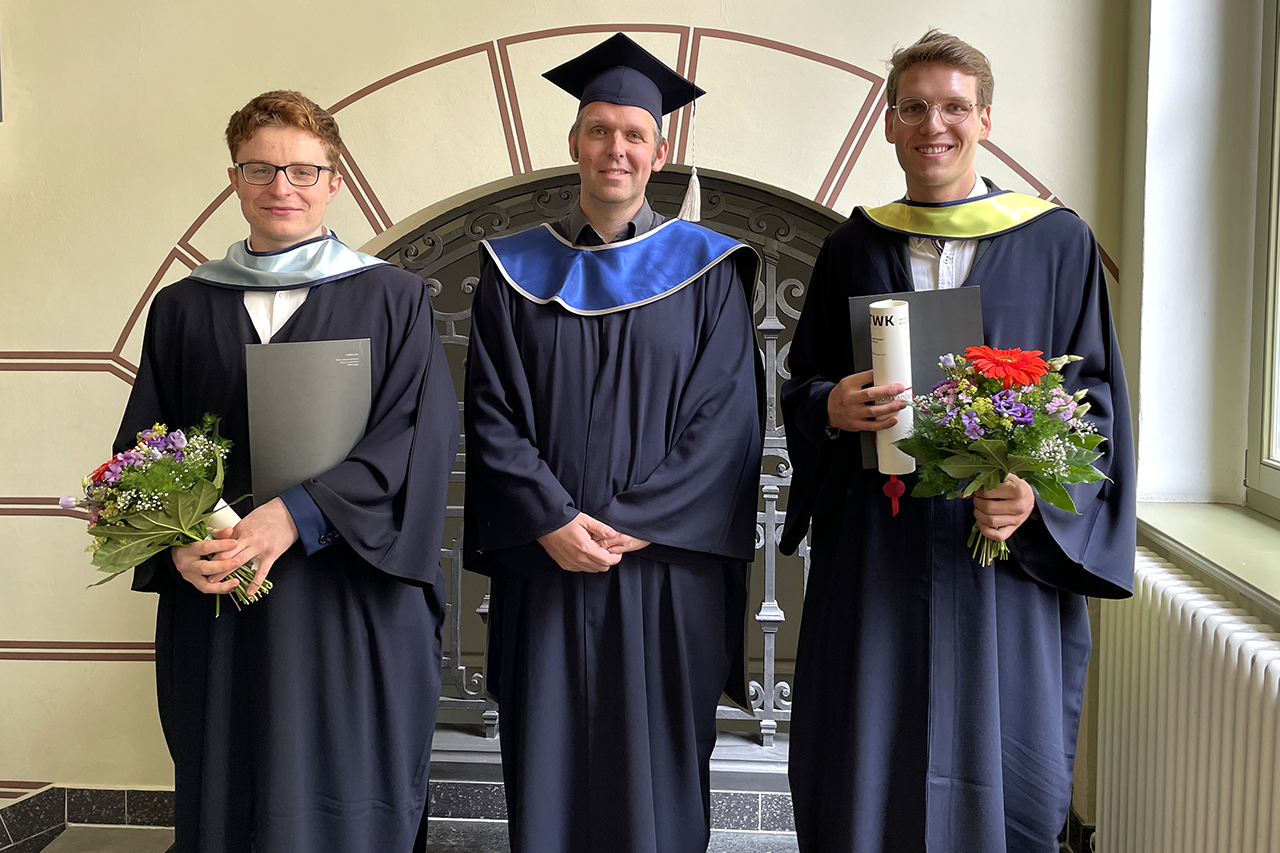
x=986 y=551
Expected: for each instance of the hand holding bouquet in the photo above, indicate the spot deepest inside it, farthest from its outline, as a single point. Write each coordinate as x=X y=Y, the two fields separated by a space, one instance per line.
x=165 y=491
x=1002 y=412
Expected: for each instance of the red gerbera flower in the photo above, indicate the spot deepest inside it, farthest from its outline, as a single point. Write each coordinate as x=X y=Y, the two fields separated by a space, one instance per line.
x=102 y=469
x=1010 y=366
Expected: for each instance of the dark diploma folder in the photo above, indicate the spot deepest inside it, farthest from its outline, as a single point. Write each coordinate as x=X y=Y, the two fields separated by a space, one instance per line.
x=308 y=406
x=942 y=321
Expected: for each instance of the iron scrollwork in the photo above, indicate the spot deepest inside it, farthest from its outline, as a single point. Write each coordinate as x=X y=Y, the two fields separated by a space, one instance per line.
x=786 y=231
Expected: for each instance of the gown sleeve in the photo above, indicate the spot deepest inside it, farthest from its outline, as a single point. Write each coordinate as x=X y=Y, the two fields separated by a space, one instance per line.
x=1091 y=553
x=150 y=403
x=821 y=355
x=387 y=498
x=701 y=496
x=512 y=496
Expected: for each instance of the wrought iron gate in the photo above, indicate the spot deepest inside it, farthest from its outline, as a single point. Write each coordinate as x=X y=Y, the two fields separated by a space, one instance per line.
x=440 y=246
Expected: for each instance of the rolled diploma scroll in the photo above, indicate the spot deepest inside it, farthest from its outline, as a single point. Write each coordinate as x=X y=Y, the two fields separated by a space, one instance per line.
x=890 y=363
x=223 y=517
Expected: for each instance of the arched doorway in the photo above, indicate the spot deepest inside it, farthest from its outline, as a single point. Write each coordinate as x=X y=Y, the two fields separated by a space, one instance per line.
x=440 y=243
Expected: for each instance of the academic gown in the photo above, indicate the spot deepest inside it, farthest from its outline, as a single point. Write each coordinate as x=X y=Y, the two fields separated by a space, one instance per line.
x=607 y=684
x=304 y=722
x=937 y=702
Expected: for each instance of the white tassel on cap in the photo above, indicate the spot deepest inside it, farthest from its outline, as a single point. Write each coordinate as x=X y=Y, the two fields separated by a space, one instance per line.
x=691 y=207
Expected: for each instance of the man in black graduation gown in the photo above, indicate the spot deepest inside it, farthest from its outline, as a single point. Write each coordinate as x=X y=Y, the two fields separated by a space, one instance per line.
x=936 y=701
x=613 y=458
x=303 y=722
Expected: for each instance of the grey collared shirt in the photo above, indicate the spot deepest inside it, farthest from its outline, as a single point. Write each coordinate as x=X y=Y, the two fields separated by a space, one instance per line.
x=578 y=230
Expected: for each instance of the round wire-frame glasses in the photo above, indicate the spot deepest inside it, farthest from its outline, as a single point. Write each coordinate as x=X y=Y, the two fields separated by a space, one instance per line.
x=916 y=110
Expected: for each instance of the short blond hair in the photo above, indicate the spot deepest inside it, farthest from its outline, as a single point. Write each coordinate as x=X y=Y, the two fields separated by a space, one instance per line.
x=284 y=108
x=946 y=49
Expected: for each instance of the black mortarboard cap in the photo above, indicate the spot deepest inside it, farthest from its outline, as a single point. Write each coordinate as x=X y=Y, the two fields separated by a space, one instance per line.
x=619 y=71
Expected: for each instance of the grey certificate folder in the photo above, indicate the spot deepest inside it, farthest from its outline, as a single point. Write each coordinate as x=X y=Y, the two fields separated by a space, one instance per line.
x=308 y=406
x=942 y=321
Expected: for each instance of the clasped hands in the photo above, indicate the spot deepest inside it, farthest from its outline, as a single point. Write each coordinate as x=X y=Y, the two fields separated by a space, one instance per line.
x=854 y=406
x=587 y=544
x=265 y=533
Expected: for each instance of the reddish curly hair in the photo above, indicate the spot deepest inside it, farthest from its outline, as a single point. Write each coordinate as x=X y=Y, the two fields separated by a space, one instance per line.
x=284 y=108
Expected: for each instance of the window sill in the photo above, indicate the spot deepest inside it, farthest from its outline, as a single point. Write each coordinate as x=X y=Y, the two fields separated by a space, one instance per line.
x=1232 y=548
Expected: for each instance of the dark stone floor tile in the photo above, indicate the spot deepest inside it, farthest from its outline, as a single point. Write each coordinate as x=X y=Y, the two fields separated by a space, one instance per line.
x=5 y=838
x=776 y=814
x=37 y=842
x=149 y=808
x=113 y=839
x=466 y=836
x=36 y=814
x=723 y=841
x=469 y=800
x=95 y=805
x=734 y=810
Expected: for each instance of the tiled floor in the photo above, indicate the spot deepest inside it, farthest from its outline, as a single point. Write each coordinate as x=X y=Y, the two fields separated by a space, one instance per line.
x=447 y=836
x=111 y=839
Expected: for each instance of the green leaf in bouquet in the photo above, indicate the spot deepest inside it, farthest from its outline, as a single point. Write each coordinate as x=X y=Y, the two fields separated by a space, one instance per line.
x=994 y=451
x=1051 y=492
x=114 y=574
x=919 y=447
x=927 y=489
x=135 y=525
x=219 y=472
x=207 y=495
x=1083 y=474
x=962 y=466
x=1075 y=457
x=123 y=554
x=1019 y=464
x=1088 y=442
x=184 y=509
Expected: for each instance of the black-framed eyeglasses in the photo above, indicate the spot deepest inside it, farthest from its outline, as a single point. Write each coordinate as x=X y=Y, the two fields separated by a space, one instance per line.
x=916 y=110
x=298 y=174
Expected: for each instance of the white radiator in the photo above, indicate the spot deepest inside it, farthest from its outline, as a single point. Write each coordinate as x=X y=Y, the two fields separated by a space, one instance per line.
x=1189 y=721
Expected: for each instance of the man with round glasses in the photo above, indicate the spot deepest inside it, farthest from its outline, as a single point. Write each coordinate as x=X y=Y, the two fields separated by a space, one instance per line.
x=937 y=701
x=302 y=722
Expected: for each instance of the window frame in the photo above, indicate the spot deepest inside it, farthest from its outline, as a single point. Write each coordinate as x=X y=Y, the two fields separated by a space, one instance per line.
x=1262 y=470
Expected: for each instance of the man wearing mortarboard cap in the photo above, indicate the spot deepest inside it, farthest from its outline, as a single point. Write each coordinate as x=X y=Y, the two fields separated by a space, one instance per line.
x=613 y=458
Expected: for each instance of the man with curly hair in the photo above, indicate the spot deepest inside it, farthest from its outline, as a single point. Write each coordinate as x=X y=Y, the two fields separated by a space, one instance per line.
x=302 y=722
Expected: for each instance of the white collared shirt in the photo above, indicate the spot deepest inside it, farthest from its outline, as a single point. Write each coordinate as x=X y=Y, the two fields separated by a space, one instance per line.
x=271 y=309
x=934 y=270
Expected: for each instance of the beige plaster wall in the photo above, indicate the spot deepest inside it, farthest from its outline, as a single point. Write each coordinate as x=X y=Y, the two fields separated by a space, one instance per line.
x=110 y=150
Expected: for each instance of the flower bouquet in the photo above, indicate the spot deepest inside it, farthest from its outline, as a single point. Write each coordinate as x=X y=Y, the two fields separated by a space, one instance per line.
x=165 y=491
x=1001 y=412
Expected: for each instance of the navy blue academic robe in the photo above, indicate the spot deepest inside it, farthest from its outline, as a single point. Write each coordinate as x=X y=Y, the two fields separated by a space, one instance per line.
x=937 y=702
x=607 y=683
x=304 y=722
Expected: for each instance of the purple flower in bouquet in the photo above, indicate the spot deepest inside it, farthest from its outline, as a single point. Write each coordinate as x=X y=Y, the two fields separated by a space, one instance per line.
x=948 y=361
x=1007 y=403
x=972 y=426
x=177 y=440
x=67 y=502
